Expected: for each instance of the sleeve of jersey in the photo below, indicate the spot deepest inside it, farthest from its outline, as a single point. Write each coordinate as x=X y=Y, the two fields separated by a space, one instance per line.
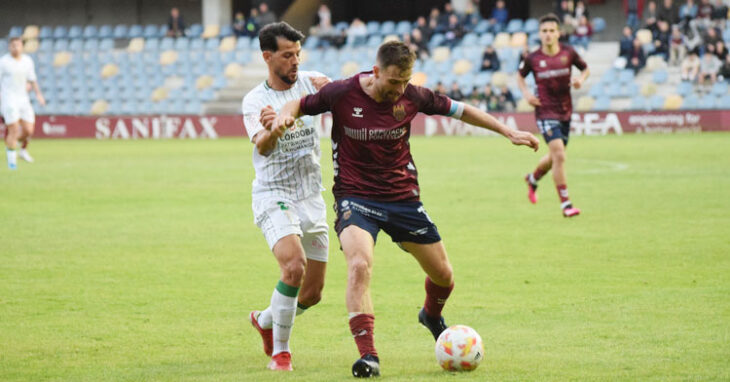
x=525 y=67
x=251 y=111
x=432 y=103
x=322 y=101
x=578 y=61
x=31 y=72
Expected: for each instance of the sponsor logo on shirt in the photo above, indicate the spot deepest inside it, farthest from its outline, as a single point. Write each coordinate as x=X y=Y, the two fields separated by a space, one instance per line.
x=376 y=134
x=554 y=73
x=357 y=112
x=399 y=112
x=543 y=64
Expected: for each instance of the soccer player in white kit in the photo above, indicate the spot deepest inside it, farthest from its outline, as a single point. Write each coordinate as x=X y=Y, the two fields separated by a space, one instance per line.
x=287 y=191
x=16 y=72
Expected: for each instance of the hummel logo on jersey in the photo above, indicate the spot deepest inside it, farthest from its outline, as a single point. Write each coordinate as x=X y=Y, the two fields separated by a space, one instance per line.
x=419 y=232
x=357 y=112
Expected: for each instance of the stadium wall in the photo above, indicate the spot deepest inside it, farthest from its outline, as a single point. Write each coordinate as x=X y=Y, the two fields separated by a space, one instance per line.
x=215 y=126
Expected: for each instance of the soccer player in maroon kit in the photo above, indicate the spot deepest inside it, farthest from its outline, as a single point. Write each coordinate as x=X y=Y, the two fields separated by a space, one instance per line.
x=551 y=65
x=376 y=183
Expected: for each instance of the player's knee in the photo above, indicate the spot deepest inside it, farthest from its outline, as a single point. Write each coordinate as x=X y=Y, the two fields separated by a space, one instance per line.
x=293 y=271
x=444 y=275
x=311 y=297
x=360 y=269
x=558 y=157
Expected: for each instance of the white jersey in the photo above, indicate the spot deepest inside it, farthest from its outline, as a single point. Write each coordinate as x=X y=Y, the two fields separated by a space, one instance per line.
x=14 y=76
x=292 y=170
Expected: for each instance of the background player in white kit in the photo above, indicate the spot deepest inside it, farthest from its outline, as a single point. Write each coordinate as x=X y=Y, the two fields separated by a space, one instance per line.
x=16 y=72
x=287 y=191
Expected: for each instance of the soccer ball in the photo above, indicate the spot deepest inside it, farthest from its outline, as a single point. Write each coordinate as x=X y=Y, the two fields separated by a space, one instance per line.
x=459 y=348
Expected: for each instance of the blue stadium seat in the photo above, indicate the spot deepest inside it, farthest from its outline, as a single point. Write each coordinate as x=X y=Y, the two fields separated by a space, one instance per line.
x=638 y=103
x=60 y=45
x=625 y=76
x=656 y=102
x=195 y=30
x=90 y=31
x=151 y=44
x=387 y=28
x=105 y=31
x=599 y=24
x=724 y=102
x=211 y=44
x=226 y=30
x=486 y=39
x=726 y=35
x=76 y=46
x=684 y=88
x=60 y=32
x=469 y=39
x=514 y=26
x=106 y=44
x=75 y=31
x=403 y=27
x=120 y=31
x=162 y=31
x=15 y=31
x=596 y=90
x=45 y=32
x=45 y=45
x=531 y=26
x=630 y=89
x=602 y=103
x=196 y=44
x=255 y=44
x=310 y=43
x=719 y=89
x=182 y=44
x=373 y=27
x=660 y=76
x=135 y=31
x=482 y=26
x=374 y=41
x=691 y=102
x=707 y=102
x=167 y=43
x=244 y=42
x=613 y=90
x=341 y=26
x=151 y=31
x=436 y=40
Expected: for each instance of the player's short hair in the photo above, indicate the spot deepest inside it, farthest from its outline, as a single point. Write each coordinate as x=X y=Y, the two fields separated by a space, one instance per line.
x=550 y=18
x=270 y=33
x=16 y=38
x=395 y=53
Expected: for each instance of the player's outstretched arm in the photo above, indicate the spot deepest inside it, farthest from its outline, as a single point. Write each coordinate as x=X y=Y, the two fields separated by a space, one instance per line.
x=531 y=99
x=38 y=93
x=476 y=117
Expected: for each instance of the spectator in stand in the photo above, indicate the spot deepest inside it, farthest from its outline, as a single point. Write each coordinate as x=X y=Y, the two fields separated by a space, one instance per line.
x=455 y=92
x=239 y=25
x=711 y=38
x=490 y=60
x=357 y=33
x=421 y=44
x=709 y=67
x=567 y=28
x=690 y=67
x=688 y=11
x=175 y=24
x=650 y=17
x=724 y=72
x=668 y=12
x=626 y=42
x=563 y=8
x=506 y=99
x=474 y=97
x=719 y=14
x=422 y=25
x=446 y=15
x=433 y=21
x=323 y=19
x=661 y=40
x=633 y=10
x=582 y=34
x=490 y=101
x=252 y=28
x=636 y=59
x=704 y=13
x=454 y=32
x=499 y=17
x=265 y=16
x=677 y=50
x=580 y=10
x=441 y=89
x=692 y=37
x=721 y=50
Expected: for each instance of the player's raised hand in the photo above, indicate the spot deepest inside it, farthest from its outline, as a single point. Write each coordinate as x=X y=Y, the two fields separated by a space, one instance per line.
x=524 y=138
x=532 y=100
x=280 y=124
x=319 y=82
x=267 y=117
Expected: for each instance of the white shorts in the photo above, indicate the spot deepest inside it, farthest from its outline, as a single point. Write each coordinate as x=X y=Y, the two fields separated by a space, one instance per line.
x=306 y=218
x=15 y=111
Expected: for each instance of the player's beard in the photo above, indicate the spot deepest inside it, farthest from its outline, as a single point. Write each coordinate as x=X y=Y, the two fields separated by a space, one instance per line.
x=287 y=77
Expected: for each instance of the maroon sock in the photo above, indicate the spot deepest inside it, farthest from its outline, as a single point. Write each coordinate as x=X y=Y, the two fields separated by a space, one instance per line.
x=538 y=174
x=563 y=193
x=436 y=298
x=25 y=144
x=362 y=327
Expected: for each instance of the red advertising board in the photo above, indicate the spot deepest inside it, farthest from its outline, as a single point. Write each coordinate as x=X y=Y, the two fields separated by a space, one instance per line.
x=215 y=126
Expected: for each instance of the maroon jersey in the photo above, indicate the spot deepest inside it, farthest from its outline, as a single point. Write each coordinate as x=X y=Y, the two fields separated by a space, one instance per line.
x=552 y=76
x=370 y=149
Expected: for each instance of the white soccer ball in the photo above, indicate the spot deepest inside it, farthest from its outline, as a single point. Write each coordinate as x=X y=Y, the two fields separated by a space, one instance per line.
x=459 y=348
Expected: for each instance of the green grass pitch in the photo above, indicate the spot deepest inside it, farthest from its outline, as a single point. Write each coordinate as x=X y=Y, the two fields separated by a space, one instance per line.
x=139 y=261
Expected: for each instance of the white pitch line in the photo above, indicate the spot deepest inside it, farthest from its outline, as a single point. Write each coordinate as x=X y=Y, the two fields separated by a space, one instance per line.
x=602 y=166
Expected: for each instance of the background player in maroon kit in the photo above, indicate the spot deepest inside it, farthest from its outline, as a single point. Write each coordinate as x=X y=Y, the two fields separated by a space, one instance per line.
x=551 y=65
x=376 y=184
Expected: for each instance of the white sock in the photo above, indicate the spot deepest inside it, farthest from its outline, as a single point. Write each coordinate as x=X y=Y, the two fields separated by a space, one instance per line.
x=12 y=156
x=283 y=310
x=264 y=318
x=531 y=179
